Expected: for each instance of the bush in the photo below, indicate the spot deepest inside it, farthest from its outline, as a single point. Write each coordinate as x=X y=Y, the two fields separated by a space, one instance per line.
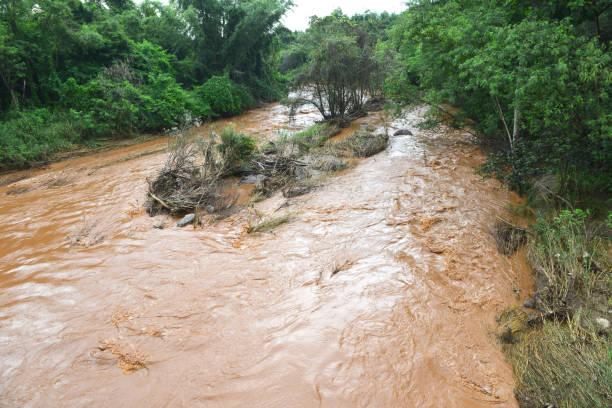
x=164 y=103
x=225 y=97
x=197 y=107
x=236 y=148
x=33 y=135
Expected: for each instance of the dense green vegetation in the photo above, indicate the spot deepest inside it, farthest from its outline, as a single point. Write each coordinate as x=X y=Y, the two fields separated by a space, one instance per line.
x=534 y=76
x=73 y=71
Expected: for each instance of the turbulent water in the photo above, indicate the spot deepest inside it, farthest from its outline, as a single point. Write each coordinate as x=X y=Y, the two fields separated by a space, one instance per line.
x=380 y=292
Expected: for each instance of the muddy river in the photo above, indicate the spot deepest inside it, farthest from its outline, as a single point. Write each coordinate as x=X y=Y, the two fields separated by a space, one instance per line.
x=381 y=291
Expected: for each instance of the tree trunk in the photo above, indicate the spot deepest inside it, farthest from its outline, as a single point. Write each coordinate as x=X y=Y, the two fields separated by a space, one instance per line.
x=13 y=96
x=516 y=123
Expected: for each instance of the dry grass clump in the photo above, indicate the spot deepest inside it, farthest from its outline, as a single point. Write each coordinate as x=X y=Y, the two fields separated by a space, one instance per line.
x=363 y=143
x=326 y=162
x=267 y=223
x=128 y=361
x=297 y=190
x=280 y=172
x=561 y=365
x=189 y=180
x=508 y=237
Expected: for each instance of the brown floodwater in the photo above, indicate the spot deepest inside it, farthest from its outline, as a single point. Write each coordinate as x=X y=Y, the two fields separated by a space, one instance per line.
x=381 y=291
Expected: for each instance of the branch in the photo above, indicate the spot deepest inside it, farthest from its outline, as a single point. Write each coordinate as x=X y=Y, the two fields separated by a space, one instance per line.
x=501 y=113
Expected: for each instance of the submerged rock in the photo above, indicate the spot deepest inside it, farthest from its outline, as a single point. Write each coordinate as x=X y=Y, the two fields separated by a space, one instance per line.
x=252 y=179
x=402 y=132
x=188 y=219
x=159 y=225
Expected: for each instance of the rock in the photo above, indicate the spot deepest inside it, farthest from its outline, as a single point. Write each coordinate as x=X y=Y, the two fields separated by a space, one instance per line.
x=402 y=132
x=296 y=191
x=159 y=225
x=188 y=219
x=252 y=179
x=210 y=209
x=603 y=323
x=529 y=304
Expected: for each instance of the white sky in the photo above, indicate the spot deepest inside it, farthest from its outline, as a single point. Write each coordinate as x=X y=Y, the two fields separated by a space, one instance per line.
x=297 y=18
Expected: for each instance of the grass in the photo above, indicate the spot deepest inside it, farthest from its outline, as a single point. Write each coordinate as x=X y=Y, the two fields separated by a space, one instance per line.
x=571 y=262
x=304 y=141
x=267 y=223
x=563 y=365
x=561 y=355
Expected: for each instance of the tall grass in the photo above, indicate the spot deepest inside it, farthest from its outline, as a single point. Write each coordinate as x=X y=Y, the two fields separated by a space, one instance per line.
x=569 y=262
x=562 y=356
x=562 y=365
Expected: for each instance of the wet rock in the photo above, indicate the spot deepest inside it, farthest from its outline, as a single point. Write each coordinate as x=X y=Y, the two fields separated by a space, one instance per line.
x=188 y=219
x=159 y=225
x=402 y=132
x=296 y=191
x=529 y=304
x=252 y=179
x=602 y=323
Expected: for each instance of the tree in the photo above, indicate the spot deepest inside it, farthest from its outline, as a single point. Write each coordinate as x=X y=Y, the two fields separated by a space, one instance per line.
x=342 y=71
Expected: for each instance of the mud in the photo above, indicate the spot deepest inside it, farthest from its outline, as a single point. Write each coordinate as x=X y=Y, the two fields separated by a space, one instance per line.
x=380 y=291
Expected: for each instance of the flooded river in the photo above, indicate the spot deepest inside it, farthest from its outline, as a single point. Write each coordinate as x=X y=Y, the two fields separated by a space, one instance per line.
x=381 y=291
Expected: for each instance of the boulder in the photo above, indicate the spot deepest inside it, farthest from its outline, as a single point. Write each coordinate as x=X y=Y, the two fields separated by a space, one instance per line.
x=186 y=220
x=402 y=132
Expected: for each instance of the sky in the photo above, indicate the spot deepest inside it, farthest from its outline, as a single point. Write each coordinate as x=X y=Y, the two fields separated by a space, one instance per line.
x=297 y=18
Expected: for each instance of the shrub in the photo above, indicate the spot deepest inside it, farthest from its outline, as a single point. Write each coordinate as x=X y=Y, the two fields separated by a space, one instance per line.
x=236 y=148
x=164 y=103
x=224 y=96
x=33 y=135
x=197 y=107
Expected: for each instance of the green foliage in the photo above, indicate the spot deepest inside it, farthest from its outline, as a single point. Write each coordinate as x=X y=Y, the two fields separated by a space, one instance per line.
x=236 y=148
x=33 y=135
x=532 y=82
x=224 y=96
x=119 y=68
